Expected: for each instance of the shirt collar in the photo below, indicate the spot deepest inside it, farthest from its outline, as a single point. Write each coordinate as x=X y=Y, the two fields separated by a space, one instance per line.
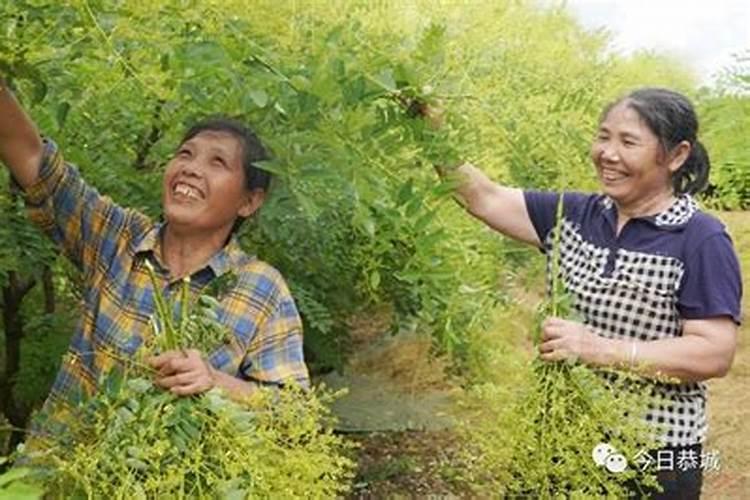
x=675 y=217
x=227 y=258
x=222 y=261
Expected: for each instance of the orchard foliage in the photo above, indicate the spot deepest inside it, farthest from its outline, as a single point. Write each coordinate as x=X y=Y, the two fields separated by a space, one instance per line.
x=726 y=125
x=356 y=217
x=134 y=440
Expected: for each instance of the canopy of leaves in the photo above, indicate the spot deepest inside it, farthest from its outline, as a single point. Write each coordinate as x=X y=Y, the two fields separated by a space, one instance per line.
x=726 y=125
x=357 y=215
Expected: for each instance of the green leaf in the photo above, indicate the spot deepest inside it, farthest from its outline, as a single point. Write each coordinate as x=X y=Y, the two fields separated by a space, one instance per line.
x=21 y=491
x=374 y=280
x=369 y=226
x=424 y=221
x=210 y=302
x=235 y=494
x=405 y=193
x=385 y=79
x=61 y=114
x=139 y=385
x=201 y=52
x=14 y=475
x=414 y=206
x=164 y=62
x=136 y=464
x=271 y=166
x=259 y=97
x=40 y=91
x=300 y=82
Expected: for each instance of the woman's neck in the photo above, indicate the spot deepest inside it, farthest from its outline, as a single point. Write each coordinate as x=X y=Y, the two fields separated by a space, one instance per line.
x=184 y=253
x=643 y=208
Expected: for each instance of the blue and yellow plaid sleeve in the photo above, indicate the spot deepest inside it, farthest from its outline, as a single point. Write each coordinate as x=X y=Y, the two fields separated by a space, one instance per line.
x=275 y=356
x=86 y=225
x=266 y=342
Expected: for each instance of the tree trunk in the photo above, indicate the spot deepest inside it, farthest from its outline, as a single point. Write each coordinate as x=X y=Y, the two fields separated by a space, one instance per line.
x=13 y=295
x=49 y=290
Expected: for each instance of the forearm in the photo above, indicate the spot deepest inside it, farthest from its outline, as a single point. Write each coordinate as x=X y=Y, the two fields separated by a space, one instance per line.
x=687 y=358
x=500 y=207
x=20 y=145
x=472 y=189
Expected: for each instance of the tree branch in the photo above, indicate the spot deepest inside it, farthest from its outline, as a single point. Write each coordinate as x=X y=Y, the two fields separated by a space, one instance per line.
x=147 y=141
x=49 y=290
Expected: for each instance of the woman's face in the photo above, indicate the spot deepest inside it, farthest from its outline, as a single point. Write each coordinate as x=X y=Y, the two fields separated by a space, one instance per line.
x=629 y=160
x=204 y=184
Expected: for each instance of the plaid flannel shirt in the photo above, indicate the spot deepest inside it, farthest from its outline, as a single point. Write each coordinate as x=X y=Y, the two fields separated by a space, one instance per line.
x=111 y=244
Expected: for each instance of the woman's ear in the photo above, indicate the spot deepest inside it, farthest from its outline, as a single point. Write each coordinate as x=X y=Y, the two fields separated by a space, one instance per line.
x=679 y=155
x=253 y=200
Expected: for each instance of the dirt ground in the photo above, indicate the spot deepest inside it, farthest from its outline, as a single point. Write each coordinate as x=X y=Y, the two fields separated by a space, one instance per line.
x=418 y=464
x=729 y=398
x=406 y=465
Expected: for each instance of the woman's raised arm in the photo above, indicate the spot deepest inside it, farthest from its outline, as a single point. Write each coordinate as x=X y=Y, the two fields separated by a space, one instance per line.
x=502 y=208
x=20 y=144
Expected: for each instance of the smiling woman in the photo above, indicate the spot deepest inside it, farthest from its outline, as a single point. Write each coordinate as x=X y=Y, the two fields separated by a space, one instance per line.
x=646 y=152
x=627 y=157
x=210 y=186
x=655 y=279
x=211 y=183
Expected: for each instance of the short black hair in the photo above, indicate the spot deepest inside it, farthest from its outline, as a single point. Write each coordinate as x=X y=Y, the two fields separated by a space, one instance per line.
x=672 y=118
x=252 y=149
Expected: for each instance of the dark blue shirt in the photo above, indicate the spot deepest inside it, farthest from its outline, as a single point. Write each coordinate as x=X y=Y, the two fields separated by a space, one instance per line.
x=643 y=283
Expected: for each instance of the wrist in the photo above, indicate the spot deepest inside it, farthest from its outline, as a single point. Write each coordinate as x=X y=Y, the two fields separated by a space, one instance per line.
x=213 y=375
x=632 y=354
x=622 y=353
x=234 y=387
x=609 y=352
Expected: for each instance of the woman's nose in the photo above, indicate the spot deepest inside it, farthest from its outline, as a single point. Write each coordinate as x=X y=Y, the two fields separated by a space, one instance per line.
x=191 y=167
x=608 y=152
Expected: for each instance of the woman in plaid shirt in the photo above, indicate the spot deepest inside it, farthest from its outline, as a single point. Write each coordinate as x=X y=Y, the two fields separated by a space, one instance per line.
x=209 y=186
